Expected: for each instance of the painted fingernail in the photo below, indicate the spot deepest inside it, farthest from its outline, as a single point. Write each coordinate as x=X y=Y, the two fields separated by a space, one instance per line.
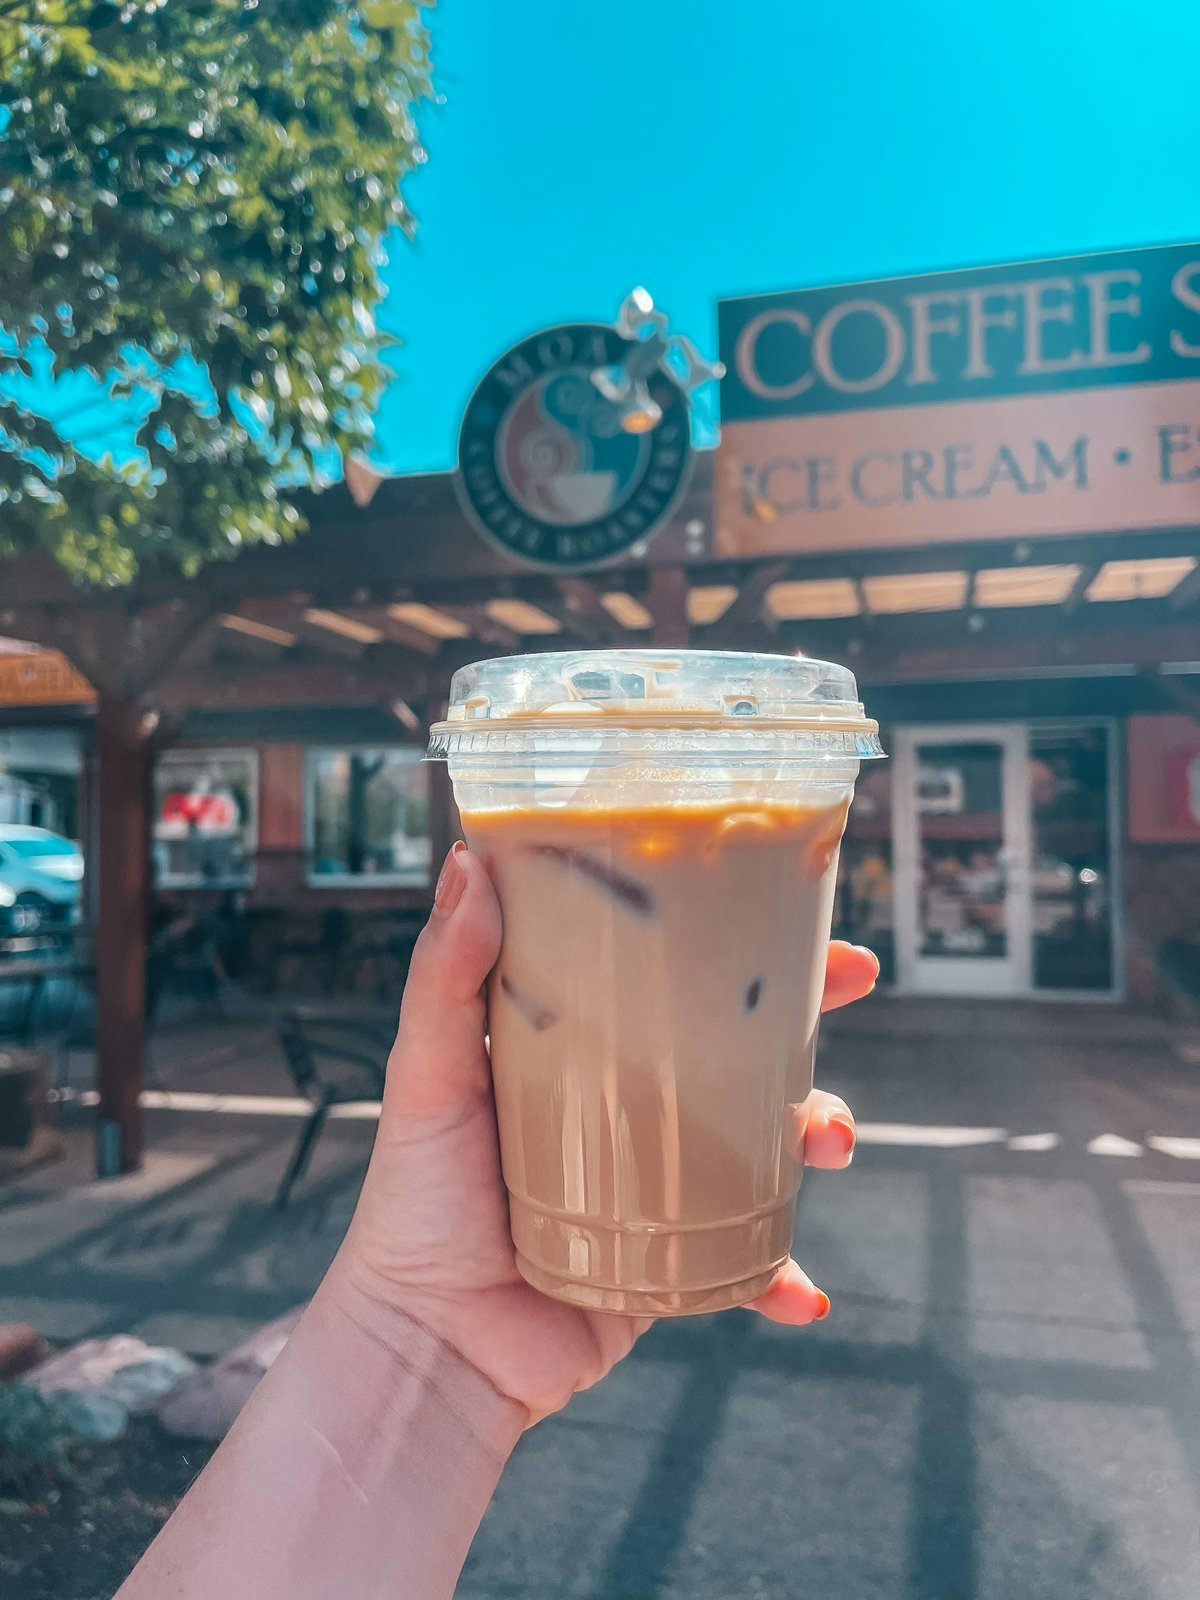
x=864 y=951
x=822 y=1310
x=845 y=1123
x=451 y=881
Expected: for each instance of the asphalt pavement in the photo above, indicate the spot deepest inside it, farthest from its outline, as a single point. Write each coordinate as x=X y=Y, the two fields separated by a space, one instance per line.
x=1003 y=1405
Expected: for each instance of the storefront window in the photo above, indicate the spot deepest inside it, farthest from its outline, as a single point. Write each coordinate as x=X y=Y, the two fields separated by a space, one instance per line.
x=42 y=887
x=1072 y=879
x=963 y=887
x=205 y=819
x=864 y=911
x=368 y=817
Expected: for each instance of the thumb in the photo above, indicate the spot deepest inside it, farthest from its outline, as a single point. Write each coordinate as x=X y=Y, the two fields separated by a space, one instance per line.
x=438 y=1063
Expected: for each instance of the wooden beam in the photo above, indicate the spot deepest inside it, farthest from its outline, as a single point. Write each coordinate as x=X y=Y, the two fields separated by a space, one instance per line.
x=580 y=609
x=69 y=633
x=33 y=580
x=1014 y=640
x=445 y=825
x=169 y=639
x=1185 y=591
x=1180 y=695
x=328 y=641
x=123 y=880
x=397 y=632
x=304 y=678
x=485 y=627
x=747 y=609
x=243 y=636
x=1077 y=595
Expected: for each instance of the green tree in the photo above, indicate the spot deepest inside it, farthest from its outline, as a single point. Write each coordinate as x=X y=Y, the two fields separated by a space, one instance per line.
x=194 y=196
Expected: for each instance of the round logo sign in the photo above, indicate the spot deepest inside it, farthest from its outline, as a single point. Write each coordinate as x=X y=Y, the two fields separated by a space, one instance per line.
x=556 y=472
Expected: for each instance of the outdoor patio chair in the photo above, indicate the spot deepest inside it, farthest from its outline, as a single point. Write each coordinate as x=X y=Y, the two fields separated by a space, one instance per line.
x=326 y=950
x=20 y=999
x=385 y=946
x=334 y=1061
x=187 y=965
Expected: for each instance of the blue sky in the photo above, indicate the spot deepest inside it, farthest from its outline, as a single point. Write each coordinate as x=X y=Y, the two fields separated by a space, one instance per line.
x=703 y=148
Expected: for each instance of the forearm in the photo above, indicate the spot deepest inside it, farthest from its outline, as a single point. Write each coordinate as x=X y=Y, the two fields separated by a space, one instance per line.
x=360 y=1467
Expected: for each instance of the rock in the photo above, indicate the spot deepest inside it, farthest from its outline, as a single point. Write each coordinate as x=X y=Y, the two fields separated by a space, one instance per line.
x=205 y=1405
x=141 y=1384
x=21 y=1347
x=90 y=1415
x=123 y=1369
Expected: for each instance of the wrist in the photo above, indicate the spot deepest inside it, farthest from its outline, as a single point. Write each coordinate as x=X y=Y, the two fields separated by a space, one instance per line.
x=361 y=1466
x=375 y=1339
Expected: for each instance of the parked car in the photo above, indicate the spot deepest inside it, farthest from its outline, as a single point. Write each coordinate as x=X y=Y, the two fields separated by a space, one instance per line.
x=41 y=878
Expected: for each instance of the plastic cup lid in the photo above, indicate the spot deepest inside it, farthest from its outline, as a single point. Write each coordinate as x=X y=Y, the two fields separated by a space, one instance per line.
x=706 y=690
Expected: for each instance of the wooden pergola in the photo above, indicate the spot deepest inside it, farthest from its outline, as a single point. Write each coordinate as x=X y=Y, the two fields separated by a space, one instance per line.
x=377 y=604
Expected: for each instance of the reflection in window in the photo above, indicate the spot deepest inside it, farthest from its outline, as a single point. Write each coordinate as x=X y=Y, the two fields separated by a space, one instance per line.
x=864 y=910
x=368 y=816
x=205 y=819
x=962 y=891
x=1072 y=885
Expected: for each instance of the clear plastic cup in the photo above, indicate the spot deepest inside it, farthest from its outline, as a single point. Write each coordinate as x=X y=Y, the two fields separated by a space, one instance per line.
x=662 y=828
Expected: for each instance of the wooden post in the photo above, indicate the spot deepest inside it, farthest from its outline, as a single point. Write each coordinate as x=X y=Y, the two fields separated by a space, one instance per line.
x=667 y=599
x=444 y=824
x=123 y=873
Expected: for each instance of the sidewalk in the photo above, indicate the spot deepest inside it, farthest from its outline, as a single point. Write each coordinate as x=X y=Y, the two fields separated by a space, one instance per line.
x=1005 y=1400
x=190 y=1251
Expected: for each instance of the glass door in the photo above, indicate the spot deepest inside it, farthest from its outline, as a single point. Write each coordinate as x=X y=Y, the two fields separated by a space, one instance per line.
x=962 y=860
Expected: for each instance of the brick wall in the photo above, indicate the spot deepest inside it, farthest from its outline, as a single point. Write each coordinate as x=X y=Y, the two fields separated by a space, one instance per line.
x=1162 y=910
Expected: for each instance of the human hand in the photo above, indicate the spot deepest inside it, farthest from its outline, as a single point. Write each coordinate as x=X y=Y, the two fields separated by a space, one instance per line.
x=430 y=1235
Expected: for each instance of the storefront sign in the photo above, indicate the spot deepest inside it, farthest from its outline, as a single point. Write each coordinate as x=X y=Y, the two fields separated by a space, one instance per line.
x=1183 y=778
x=1045 y=397
x=1164 y=780
x=42 y=679
x=554 y=469
x=184 y=812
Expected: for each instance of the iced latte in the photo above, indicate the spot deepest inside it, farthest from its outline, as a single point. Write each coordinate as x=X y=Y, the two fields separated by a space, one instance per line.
x=662 y=829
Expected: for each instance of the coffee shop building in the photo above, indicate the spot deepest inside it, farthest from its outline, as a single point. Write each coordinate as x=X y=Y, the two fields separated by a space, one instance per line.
x=973 y=489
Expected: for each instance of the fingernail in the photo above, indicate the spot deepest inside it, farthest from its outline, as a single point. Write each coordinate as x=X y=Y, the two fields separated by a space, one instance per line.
x=839 y=1119
x=822 y=1310
x=452 y=880
x=864 y=951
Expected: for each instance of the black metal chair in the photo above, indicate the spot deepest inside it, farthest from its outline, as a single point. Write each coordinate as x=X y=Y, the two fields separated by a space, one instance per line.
x=188 y=964
x=334 y=1061
x=20 y=999
x=327 y=950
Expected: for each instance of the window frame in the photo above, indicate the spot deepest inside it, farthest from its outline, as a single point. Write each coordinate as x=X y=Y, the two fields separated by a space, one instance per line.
x=178 y=755
x=419 y=879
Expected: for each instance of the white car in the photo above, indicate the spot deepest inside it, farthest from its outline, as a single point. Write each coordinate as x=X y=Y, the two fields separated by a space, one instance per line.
x=41 y=877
